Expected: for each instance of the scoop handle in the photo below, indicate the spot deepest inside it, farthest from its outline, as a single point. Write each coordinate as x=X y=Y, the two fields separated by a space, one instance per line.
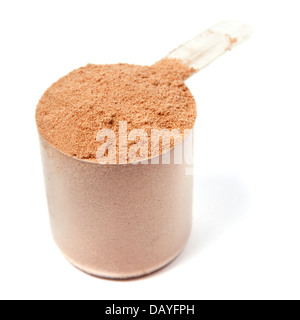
x=212 y=43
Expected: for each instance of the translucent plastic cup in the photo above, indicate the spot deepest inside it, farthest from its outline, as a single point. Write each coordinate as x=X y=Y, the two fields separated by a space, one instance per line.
x=117 y=221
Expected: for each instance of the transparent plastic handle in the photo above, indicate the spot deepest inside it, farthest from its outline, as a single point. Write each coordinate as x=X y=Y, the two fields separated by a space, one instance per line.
x=212 y=43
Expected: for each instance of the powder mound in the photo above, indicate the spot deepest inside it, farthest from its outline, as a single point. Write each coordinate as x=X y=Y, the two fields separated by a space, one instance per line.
x=75 y=108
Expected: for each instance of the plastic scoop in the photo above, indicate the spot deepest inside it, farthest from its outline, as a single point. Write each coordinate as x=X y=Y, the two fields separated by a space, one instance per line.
x=211 y=44
x=124 y=221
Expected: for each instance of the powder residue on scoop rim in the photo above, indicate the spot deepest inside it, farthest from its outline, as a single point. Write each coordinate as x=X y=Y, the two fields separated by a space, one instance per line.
x=75 y=108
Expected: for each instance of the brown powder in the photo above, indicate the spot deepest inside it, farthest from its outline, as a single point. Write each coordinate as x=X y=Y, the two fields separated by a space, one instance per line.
x=95 y=97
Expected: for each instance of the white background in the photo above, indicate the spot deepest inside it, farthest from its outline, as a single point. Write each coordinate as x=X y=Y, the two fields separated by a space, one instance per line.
x=246 y=237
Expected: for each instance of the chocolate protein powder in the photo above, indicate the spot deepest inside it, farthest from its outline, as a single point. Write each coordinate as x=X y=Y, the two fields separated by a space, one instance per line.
x=75 y=108
x=117 y=220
